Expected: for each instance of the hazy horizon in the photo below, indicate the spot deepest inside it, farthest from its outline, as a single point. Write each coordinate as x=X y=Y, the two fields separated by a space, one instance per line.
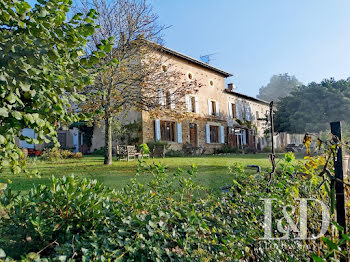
x=254 y=40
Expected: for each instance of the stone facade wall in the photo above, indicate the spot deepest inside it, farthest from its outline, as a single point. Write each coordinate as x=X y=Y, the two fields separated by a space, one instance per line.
x=212 y=88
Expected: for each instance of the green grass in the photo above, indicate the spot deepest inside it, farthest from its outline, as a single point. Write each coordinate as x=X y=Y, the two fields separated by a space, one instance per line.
x=212 y=170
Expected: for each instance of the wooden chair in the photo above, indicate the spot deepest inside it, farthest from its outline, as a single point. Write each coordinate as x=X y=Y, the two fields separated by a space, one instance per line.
x=124 y=152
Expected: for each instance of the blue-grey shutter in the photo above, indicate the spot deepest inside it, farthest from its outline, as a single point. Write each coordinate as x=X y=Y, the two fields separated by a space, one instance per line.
x=237 y=111
x=222 y=135
x=217 y=108
x=179 y=132
x=244 y=136
x=207 y=133
x=249 y=114
x=27 y=132
x=157 y=129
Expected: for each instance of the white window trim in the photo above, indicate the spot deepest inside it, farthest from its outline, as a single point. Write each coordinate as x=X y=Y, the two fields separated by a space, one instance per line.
x=189 y=104
x=217 y=108
x=211 y=80
x=188 y=77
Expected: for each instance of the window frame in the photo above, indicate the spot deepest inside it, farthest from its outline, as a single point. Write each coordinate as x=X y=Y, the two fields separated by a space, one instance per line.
x=233 y=110
x=213 y=107
x=164 y=135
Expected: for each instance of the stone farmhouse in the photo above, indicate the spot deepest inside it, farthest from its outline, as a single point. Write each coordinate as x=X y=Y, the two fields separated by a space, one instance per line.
x=219 y=114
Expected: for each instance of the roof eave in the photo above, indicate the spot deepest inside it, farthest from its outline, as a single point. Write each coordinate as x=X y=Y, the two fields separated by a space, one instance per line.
x=247 y=97
x=195 y=61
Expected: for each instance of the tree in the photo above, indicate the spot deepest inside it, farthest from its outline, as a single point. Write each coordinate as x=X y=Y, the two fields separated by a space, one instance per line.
x=279 y=86
x=310 y=108
x=40 y=71
x=139 y=76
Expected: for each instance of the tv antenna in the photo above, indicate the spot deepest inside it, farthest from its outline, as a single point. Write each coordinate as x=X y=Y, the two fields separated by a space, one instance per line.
x=207 y=58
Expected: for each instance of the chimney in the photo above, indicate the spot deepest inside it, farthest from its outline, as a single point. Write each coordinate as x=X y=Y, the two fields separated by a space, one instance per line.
x=231 y=87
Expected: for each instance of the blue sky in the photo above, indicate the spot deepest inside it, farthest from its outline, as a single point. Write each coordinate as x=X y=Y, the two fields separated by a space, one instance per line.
x=254 y=39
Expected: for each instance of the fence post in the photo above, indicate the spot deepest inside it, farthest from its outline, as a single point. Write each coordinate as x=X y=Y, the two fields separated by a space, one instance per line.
x=339 y=186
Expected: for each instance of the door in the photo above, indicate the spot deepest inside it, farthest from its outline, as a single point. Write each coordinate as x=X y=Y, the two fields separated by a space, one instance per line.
x=231 y=138
x=193 y=134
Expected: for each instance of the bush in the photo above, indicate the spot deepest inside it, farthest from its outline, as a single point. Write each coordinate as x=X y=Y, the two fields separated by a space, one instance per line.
x=226 y=149
x=169 y=219
x=99 y=152
x=144 y=149
x=152 y=144
x=175 y=153
x=54 y=154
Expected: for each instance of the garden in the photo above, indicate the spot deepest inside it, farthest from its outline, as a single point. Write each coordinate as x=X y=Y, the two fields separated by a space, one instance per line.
x=63 y=206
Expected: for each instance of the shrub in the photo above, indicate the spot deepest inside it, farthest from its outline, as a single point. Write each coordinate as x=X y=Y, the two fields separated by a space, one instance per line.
x=226 y=149
x=54 y=154
x=169 y=219
x=152 y=144
x=51 y=154
x=175 y=153
x=144 y=149
x=99 y=152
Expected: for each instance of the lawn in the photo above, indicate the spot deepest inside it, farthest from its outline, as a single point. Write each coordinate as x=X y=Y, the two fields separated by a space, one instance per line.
x=212 y=170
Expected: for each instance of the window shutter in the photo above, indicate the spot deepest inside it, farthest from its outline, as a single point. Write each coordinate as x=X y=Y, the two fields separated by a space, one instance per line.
x=249 y=115
x=172 y=100
x=217 y=108
x=209 y=107
x=179 y=132
x=238 y=111
x=188 y=103
x=161 y=97
x=157 y=129
x=244 y=136
x=207 y=133
x=229 y=109
x=222 y=135
x=197 y=104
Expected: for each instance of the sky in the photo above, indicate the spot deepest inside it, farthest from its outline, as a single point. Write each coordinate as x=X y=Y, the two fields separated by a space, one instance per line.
x=255 y=39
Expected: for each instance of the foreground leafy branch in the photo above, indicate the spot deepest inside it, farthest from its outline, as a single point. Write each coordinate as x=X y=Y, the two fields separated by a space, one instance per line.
x=40 y=71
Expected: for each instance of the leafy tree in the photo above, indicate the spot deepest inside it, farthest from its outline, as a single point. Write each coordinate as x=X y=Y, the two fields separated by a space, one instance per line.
x=40 y=71
x=138 y=80
x=279 y=86
x=310 y=108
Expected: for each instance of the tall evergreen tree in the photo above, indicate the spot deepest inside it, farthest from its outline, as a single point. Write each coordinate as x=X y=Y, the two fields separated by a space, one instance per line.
x=310 y=108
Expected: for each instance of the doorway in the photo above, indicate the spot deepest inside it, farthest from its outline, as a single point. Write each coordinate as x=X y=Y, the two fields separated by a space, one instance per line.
x=193 y=134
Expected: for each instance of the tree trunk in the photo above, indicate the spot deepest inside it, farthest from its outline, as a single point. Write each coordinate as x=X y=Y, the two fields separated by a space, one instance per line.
x=108 y=140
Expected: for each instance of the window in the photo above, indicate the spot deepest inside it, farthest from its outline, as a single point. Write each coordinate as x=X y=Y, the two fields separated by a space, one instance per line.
x=190 y=76
x=233 y=110
x=213 y=108
x=214 y=134
x=257 y=117
x=164 y=68
x=167 y=131
x=193 y=104
x=211 y=83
